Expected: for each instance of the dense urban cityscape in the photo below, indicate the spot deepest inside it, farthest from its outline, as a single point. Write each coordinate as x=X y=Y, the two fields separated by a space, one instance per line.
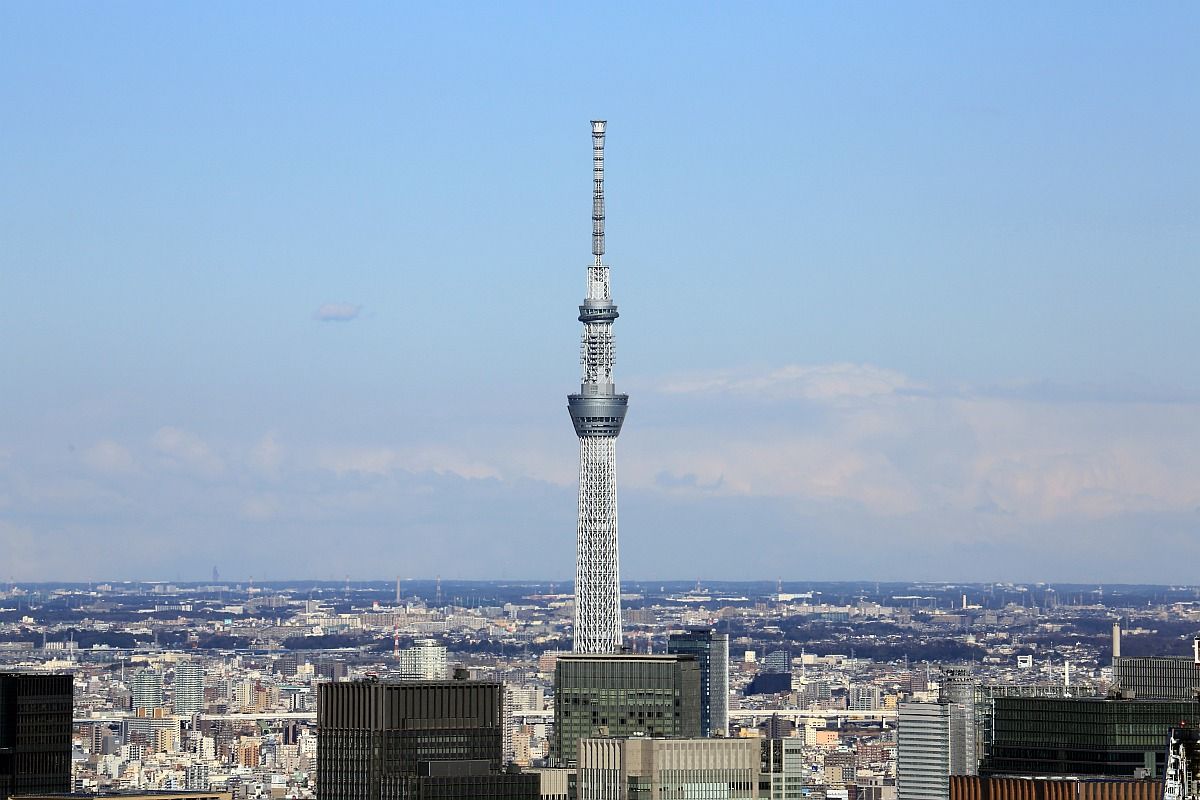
x=214 y=688
x=324 y=456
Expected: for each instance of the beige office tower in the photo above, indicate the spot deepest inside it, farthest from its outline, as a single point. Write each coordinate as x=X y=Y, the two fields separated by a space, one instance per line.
x=639 y=767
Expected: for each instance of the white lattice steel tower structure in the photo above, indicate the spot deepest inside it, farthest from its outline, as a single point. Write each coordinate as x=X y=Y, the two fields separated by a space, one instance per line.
x=597 y=413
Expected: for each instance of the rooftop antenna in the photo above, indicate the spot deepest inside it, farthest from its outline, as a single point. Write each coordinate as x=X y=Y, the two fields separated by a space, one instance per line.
x=598 y=127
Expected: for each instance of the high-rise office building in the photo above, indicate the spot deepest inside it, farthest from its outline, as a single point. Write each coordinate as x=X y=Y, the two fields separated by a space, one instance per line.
x=712 y=653
x=1157 y=677
x=937 y=740
x=784 y=769
x=623 y=695
x=777 y=661
x=647 y=769
x=597 y=413
x=35 y=733
x=287 y=664
x=332 y=669
x=958 y=690
x=189 y=687
x=420 y=740
x=1051 y=736
x=147 y=689
x=766 y=682
x=923 y=751
x=986 y=694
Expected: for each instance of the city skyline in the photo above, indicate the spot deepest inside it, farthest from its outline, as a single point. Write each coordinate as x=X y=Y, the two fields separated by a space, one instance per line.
x=910 y=293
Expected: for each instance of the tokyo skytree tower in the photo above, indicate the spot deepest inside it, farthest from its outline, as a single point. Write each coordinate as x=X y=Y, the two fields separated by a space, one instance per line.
x=597 y=412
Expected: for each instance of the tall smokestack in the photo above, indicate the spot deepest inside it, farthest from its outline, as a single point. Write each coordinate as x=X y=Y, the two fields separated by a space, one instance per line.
x=1116 y=640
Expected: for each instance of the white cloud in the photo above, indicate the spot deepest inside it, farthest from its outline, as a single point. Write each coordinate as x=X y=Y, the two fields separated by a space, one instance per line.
x=184 y=450
x=365 y=460
x=878 y=439
x=260 y=507
x=337 y=312
x=381 y=460
x=821 y=382
x=266 y=456
x=812 y=461
x=107 y=456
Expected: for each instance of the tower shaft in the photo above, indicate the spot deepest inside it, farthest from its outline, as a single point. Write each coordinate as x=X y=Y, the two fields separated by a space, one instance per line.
x=597 y=413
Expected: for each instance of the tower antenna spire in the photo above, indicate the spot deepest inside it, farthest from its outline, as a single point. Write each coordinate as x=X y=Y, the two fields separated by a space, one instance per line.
x=598 y=126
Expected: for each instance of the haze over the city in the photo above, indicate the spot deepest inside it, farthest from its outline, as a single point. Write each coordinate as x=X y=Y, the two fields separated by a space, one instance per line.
x=906 y=292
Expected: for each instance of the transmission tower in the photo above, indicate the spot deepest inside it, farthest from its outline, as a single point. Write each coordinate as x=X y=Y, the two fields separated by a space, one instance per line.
x=597 y=413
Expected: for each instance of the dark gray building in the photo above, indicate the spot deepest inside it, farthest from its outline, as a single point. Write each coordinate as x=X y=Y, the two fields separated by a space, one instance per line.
x=419 y=740
x=35 y=733
x=623 y=695
x=1050 y=736
x=986 y=694
x=712 y=653
x=1157 y=677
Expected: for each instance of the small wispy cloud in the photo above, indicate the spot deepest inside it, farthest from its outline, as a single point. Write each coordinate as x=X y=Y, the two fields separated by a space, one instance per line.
x=337 y=312
x=108 y=457
x=185 y=450
x=819 y=382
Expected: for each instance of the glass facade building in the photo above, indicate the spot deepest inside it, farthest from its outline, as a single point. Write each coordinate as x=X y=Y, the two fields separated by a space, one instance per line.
x=413 y=741
x=623 y=695
x=958 y=689
x=784 y=769
x=985 y=695
x=1157 y=678
x=35 y=733
x=712 y=652
x=1083 y=736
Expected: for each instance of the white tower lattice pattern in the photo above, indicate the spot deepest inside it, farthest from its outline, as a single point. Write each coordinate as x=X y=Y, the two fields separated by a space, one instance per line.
x=597 y=413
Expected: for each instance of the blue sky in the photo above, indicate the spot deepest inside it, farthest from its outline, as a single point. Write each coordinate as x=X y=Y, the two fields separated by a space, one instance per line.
x=906 y=292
